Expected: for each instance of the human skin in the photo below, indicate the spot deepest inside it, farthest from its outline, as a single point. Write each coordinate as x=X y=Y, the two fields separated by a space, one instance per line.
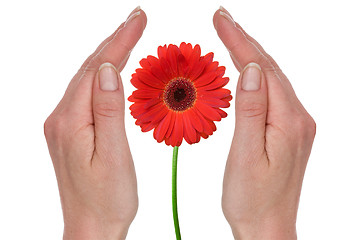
x=271 y=145
x=88 y=145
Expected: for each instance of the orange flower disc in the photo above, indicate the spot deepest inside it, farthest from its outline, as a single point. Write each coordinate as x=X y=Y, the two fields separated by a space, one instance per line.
x=179 y=94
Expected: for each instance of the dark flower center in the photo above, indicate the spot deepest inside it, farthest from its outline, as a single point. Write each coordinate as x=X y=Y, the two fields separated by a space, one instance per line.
x=179 y=94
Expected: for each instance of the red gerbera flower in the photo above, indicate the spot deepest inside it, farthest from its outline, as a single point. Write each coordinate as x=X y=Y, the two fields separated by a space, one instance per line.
x=180 y=94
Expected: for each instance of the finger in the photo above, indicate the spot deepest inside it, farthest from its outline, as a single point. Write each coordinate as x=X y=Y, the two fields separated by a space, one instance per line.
x=236 y=39
x=116 y=50
x=251 y=112
x=244 y=50
x=108 y=110
x=101 y=46
x=85 y=66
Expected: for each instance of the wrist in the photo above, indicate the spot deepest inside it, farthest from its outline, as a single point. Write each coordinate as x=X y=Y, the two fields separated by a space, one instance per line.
x=269 y=229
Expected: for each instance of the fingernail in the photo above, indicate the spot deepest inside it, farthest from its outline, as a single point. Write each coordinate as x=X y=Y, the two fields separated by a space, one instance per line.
x=108 y=77
x=226 y=15
x=251 y=77
x=221 y=8
x=135 y=13
x=136 y=9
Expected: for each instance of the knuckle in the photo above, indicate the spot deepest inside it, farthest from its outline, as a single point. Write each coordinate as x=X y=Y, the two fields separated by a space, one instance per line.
x=54 y=126
x=90 y=66
x=251 y=109
x=312 y=126
x=305 y=125
x=48 y=125
x=108 y=109
x=125 y=46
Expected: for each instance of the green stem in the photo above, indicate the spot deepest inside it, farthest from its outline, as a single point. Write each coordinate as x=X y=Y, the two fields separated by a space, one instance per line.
x=174 y=193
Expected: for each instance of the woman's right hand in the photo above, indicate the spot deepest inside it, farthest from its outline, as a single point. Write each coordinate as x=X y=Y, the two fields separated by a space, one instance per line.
x=271 y=145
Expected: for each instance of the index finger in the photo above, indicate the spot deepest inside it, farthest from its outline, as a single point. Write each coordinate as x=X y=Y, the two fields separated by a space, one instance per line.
x=116 y=49
x=243 y=50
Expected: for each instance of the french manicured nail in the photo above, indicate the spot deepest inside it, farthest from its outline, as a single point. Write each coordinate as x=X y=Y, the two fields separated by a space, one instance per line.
x=108 y=77
x=224 y=13
x=251 y=77
x=135 y=13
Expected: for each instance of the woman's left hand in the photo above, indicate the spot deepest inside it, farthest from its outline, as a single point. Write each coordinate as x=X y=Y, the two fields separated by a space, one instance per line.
x=88 y=145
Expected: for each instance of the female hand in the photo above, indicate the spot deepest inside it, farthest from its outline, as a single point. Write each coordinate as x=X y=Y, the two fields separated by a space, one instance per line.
x=88 y=145
x=271 y=145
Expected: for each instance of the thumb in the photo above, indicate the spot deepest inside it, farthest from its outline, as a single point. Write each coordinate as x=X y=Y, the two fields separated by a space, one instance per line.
x=108 y=108
x=251 y=108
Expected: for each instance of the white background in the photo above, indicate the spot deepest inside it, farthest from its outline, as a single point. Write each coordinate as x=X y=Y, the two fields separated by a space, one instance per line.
x=43 y=43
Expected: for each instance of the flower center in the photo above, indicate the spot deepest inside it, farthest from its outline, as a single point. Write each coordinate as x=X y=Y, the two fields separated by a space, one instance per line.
x=179 y=94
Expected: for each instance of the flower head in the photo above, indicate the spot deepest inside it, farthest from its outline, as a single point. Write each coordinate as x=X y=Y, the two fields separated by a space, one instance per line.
x=180 y=94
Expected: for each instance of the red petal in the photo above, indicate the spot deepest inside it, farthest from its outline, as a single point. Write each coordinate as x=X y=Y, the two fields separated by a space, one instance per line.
x=221 y=71
x=160 y=116
x=208 y=112
x=139 y=123
x=149 y=79
x=228 y=98
x=155 y=114
x=144 y=63
x=205 y=79
x=139 y=111
x=178 y=133
x=216 y=103
x=186 y=50
x=212 y=67
x=204 y=135
x=152 y=102
x=171 y=125
x=171 y=56
x=179 y=142
x=195 y=120
x=137 y=107
x=131 y=98
x=182 y=66
x=197 y=137
x=186 y=137
x=195 y=55
x=167 y=141
x=138 y=100
x=147 y=127
x=222 y=113
x=161 y=129
x=188 y=129
x=196 y=69
x=218 y=83
x=138 y=84
x=162 y=51
x=160 y=74
x=212 y=124
x=165 y=66
x=149 y=112
x=144 y=94
x=154 y=61
x=137 y=114
x=208 y=58
x=199 y=67
x=218 y=93
x=205 y=123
